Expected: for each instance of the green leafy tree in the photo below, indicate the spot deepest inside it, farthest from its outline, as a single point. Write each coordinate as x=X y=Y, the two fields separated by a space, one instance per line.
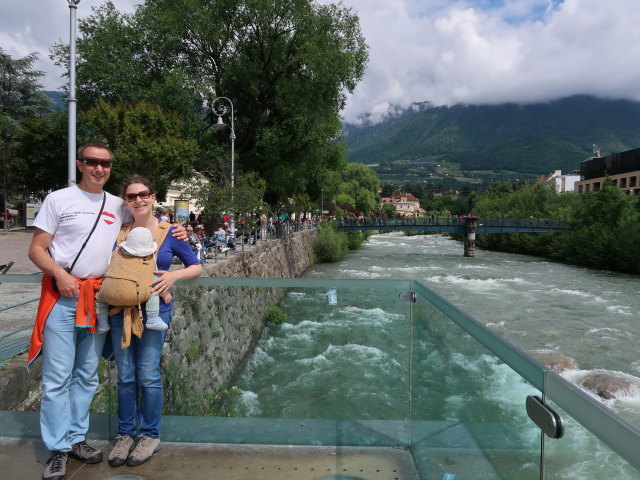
x=245 y=200
x=20 y=99
x=388 y=210
x=41 y=154
x=287 y=66
x=145 y=140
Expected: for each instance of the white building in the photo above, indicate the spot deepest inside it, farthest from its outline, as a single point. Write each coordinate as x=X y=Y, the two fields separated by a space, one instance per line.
x=564 y=183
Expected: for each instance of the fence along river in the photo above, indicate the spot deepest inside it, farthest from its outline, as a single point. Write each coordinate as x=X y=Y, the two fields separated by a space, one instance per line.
x=585 y=321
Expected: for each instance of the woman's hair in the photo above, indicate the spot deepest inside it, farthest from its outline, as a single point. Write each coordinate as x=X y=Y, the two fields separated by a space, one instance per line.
x=137 y=179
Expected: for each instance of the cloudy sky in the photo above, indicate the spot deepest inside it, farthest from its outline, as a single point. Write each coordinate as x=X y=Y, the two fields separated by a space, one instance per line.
x=441 y=51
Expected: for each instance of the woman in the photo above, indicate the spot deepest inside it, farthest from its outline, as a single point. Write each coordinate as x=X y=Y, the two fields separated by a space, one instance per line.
x=139 y=364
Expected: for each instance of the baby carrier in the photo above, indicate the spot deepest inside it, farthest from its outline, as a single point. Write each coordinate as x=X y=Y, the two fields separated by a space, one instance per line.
x=127 y=282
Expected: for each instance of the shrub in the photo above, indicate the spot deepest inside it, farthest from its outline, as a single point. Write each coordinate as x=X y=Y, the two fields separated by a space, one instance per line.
x=330 y=245
x=273 y=314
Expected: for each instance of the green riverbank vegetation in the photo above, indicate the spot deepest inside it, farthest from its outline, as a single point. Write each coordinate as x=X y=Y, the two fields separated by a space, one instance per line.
x=605 y=225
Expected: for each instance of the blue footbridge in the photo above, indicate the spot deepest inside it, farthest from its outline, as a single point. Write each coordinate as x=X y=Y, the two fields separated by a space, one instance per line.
x=468 y=226
x=455 y=225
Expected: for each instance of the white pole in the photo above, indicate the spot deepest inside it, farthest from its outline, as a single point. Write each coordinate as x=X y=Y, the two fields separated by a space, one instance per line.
x=71 y=154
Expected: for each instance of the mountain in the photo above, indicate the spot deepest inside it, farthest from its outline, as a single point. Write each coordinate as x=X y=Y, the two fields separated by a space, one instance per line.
x=529 y=139
x=57 y=99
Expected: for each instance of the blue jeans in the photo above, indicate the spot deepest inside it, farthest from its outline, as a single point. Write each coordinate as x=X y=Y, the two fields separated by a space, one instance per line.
x=139 y=370
x=69 y=376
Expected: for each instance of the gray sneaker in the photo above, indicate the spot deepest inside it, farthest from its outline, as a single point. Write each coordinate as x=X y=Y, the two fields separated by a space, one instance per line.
x=120 y=452
x=146 y=447
x=85 y=452
x=56 y=466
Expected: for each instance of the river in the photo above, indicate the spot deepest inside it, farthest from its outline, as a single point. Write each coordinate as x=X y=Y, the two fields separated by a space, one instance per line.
x=589 y=317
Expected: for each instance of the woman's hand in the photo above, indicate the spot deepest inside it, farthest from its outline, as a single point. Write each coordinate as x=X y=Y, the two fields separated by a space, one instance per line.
x=166 y=278
x=165 y=281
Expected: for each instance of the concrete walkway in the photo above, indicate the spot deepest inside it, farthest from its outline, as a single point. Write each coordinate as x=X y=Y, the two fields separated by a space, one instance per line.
x=25 y=458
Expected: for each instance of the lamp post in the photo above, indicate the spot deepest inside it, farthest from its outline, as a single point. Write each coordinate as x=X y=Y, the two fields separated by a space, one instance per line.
x=220 y=106
x=71 y=154
x=321 y=204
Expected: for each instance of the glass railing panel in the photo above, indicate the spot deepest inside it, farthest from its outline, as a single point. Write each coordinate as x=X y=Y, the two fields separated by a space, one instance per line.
x=19 y=410
x=368 y=369
x=335 y=372
x=468 y=406
x=596 y=443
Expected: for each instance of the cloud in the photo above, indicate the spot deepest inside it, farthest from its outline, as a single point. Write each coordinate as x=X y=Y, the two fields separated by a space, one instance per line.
x=441 y=51
x=30 y=26
x=487 y=52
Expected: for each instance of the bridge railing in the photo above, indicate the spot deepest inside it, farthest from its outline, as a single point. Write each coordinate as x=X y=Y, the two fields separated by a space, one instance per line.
x=435 y=220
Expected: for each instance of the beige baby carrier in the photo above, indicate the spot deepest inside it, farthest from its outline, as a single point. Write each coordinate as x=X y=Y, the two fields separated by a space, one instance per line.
x=127 y=282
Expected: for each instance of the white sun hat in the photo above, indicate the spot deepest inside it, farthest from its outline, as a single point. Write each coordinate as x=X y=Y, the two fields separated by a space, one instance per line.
x=139 y=243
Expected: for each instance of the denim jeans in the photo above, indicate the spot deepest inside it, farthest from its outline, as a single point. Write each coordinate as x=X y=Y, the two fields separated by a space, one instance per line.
x=139 y=370
x=69 y=376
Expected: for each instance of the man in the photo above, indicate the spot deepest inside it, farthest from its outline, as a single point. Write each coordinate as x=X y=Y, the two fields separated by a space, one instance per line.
x=75 y=232
x=70 y=348
x=161 y=215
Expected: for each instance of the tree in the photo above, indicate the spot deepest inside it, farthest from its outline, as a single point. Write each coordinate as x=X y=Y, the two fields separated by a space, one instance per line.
x=20 y=99
x=214 y=199
x=145 y=140
x=41 y=161
x=359 y=188
x=287 y=66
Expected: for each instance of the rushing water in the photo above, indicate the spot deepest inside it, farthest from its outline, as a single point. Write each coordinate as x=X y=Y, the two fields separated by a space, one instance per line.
x=586 y=317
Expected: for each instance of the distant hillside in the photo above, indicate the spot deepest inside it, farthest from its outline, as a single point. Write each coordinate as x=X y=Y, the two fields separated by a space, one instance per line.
x=529 y=139
x=58 y=99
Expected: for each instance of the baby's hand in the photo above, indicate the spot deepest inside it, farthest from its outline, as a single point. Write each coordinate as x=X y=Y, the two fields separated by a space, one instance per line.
x=166 y=297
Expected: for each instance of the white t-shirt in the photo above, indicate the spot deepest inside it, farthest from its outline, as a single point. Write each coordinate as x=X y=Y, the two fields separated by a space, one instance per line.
x=69 y=214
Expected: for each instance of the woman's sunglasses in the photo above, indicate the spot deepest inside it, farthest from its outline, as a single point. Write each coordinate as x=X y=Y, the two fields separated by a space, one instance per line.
x=144 y=195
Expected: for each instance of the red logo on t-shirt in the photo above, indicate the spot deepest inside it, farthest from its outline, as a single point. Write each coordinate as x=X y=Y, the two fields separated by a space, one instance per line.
x=110 y=218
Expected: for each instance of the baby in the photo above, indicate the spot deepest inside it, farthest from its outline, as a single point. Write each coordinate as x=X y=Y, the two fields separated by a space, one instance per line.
x=139 y=243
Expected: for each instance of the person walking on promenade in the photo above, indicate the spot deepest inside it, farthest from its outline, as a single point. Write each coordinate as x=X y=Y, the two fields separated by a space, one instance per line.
x=6 y=220
x=140 y=395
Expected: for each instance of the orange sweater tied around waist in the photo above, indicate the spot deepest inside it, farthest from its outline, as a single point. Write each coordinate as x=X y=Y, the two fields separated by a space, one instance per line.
x=85 y=311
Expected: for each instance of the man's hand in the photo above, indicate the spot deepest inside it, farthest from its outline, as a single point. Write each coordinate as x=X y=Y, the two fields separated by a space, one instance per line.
x=180 y=232
x=67 y=284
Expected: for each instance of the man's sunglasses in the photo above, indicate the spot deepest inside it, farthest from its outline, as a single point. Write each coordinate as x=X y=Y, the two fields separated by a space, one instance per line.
x=94 y=162
x=144 y=195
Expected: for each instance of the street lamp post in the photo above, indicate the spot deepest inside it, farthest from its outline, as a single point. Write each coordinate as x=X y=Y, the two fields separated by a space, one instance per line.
x=71 y=154
x=221 y=106
x=321 y=204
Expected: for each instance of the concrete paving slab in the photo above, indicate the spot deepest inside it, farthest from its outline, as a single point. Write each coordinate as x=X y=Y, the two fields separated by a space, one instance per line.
x=25 y=459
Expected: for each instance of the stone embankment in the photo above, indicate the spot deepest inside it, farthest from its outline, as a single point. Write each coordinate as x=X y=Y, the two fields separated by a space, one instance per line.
x=214 y=329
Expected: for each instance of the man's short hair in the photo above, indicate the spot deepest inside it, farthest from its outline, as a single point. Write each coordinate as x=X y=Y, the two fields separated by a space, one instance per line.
x=103 y=146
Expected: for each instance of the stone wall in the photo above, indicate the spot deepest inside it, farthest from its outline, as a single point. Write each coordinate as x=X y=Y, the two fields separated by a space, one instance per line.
x=215 y=329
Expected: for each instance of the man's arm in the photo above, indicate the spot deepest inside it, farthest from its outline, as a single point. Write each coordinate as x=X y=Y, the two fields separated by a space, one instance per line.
x=38 y=254
x=180 y=232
